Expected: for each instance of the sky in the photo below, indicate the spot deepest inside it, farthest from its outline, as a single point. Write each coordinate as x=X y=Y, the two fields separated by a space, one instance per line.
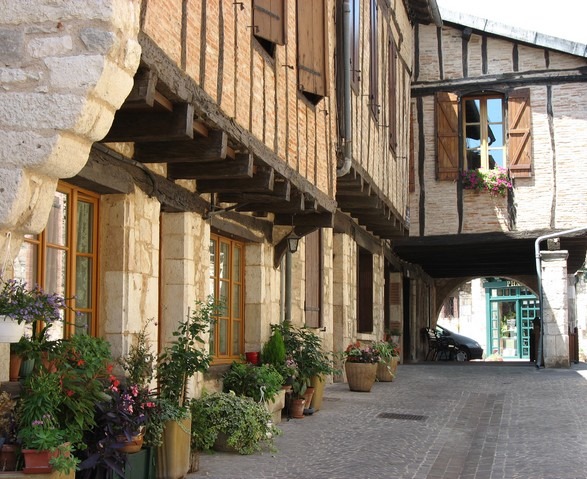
x=559 y=18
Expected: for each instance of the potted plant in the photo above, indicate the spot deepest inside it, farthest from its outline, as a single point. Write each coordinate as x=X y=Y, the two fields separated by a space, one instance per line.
x=261 y=383
x=389 y=354
x=20 y=306
x=179 y=361
x=225 y=421
x=126 y=420
x=304 y=348
x=8 y=439
x=45 y=443
x=361 y=366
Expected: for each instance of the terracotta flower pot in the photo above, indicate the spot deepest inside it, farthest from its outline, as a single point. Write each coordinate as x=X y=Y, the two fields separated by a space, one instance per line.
x=37 y=462
x=297 y=408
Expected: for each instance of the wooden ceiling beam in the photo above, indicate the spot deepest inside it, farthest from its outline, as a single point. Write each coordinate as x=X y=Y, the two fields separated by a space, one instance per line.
x=281 y=192
x=321 y=220
x=263 y=181
x=240 y=167
x=204 y=149
x=152 y=125
x=143 y=91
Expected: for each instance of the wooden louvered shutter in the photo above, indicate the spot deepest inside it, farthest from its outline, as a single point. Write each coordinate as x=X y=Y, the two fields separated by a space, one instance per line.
x=269 y=20
x=365 y=292
x=312 y=47
x=392 y=94
x=355 y=36
x=412 y=159
x=313 y=280
x=447 y=137
x=519 y=130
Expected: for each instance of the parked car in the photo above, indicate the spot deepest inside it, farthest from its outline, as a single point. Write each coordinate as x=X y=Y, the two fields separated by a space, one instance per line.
x=467 y=348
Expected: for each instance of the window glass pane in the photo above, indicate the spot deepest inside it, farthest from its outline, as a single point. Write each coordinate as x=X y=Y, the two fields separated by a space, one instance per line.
x=224 y=270
x=236 y=301
x=212 y=257
x=223 y=292
x=83 y=282
x=473 y=143
x=55 y=276
x=85 y=224
x=495 y=136
x=236 y=263
x=494 y=110
x=56 y=230
x=236 y=338
x=82 y=323
x=223 y=337
x=212 y=337
x=473 y=159
x=496 y=158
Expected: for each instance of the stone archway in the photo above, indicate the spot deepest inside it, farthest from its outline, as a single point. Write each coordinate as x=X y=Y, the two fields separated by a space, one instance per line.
x=68 y=66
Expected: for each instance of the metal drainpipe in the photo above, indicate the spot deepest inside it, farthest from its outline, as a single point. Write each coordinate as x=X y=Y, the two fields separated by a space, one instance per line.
x=288 y=259
x=539 y=274
x=346 y=55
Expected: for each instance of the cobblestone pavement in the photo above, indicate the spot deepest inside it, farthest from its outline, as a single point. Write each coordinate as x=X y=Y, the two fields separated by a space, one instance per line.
x=436 y=420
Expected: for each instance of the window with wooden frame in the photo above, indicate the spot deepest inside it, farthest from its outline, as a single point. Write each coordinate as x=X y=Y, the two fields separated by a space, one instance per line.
x=63 y=259
x=485 y=122
x=364 y=291
x=269 y=20
x=374 y=63
x=312 y=49
x=313 y=269
x=392 y=120
x=227 y=273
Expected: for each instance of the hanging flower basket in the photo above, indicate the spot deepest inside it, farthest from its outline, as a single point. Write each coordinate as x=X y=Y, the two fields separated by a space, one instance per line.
x=10 y=330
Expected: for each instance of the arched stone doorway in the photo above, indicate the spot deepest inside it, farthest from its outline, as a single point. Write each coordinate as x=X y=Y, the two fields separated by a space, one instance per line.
x=498 y=313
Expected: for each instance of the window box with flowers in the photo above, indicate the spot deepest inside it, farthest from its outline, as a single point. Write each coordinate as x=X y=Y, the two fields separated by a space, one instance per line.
x=361 y=366
x=496 y=181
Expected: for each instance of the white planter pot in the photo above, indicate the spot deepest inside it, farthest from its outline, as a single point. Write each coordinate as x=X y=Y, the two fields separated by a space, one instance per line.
x=10 y=330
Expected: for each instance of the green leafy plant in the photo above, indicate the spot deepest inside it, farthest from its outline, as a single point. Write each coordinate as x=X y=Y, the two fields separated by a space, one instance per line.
x=183 y=358
x=245 y=423
x=257 y=382
x=7 y=419
x=387 y=349
x=273 y=352
x=496 y=181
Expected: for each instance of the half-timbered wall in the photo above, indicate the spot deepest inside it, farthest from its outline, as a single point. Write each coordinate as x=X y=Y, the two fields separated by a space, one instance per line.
x=545 y=140
x=380 y=142
x=269 y=95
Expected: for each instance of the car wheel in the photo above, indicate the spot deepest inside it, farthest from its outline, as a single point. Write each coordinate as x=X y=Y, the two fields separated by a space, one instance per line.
x=462 y=355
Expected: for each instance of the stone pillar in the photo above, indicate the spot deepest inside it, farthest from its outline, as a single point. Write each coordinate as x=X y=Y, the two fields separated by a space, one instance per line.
x=185 y=266
x=555 y=309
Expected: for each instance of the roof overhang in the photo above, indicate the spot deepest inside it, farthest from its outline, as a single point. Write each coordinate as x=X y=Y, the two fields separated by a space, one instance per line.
x=485 y=254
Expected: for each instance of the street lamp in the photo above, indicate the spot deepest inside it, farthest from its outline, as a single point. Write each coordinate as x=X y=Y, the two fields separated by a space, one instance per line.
x=292 y=242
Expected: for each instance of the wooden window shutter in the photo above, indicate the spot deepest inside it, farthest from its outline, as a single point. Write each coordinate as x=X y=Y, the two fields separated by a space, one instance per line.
x=313 y=300
x=269 y=20
x=312 y=49
x=365 y=292
x=374 y=70
x=392 y=94
x=395 y=293
x=519 y=131
x=355 y=36
x=412 y=159
x=447 y=137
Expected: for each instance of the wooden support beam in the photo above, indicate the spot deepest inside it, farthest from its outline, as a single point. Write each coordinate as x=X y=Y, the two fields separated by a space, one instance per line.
x=262 y=181
x=240 y=167
x=143 y=91
x=210 y=148
x=152 y=125
x=349 y=203
x=281 y=192
x=320 y=220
